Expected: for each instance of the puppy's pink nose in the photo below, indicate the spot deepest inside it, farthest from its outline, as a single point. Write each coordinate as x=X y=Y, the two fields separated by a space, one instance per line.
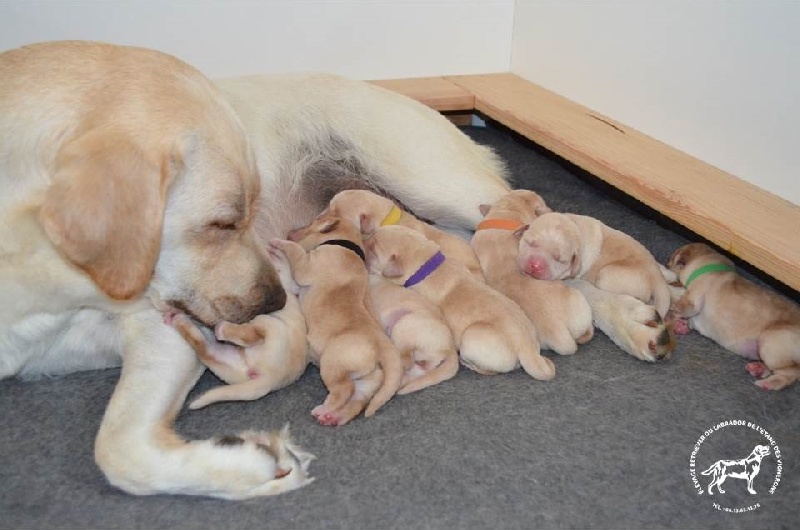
x=537 y=267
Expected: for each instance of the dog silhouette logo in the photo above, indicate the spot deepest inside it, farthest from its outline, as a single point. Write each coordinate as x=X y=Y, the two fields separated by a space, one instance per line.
x=745 y=469
x=758 y=473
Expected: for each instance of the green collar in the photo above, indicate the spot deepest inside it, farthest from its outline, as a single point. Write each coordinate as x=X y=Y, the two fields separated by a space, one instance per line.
x=711 y=267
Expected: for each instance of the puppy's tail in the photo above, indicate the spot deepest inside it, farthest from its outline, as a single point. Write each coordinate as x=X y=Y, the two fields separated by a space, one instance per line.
x=447 y=369
x=392 y=365
x=246 y=391
x=535 y=364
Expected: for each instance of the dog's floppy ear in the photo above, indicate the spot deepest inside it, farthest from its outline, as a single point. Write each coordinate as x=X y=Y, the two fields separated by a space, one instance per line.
x=393 y=268
x=105 y=208
x=521 y=230
x=329 y=226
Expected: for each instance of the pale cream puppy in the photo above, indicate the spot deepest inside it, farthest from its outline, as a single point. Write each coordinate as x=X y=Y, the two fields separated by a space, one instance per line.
x=255 y=358
x=740 y=316
x=492 y=333
x=370 y=211
x=561 y=315
x=357 y=361
x=418 y=330
x=559 y=246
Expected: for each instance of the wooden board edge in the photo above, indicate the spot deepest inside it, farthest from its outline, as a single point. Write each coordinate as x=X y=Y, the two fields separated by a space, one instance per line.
x=747 y=230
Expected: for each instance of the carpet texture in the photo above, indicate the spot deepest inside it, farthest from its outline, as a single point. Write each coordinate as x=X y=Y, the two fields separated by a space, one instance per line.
x=607 y=444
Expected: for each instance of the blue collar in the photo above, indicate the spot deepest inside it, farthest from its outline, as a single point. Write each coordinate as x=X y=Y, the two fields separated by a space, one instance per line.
x=426 y=270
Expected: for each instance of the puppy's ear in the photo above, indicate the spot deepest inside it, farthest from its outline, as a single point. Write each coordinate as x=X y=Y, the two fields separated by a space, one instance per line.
x=521 y=230
x=105 y=209
x=677 y=260
x=393 y=267
x=575 y=265
x=367 y=223
x=484 y=208
x=329 y=226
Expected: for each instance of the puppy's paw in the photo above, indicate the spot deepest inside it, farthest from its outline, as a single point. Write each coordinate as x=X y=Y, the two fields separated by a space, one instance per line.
x=757 y=369
x=775 y=382
x=325 y=416
x=681 y=326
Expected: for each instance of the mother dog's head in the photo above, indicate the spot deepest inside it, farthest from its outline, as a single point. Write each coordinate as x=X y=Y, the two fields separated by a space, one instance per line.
x=155 y=191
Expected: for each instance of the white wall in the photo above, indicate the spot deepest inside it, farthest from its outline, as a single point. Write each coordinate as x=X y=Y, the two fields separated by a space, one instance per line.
x=718 y=80
x=363 y=39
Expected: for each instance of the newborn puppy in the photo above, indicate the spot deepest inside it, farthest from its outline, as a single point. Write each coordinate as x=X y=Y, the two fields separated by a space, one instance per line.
x=561 y=315
x=357 y=362
x=742 y=317
x=263 y=355
x=418 y=330
x=492 y=333
x=371 y=211
x=558 y=246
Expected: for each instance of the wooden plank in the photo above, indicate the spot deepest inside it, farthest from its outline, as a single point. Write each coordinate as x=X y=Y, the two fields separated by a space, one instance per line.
x=749 y=222
x=435 y=92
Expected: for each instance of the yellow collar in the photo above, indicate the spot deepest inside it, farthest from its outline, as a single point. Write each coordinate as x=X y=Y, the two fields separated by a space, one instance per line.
x=394 y=216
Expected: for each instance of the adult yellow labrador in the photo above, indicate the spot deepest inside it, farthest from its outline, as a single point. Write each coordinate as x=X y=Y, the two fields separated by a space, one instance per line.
x=129 y=184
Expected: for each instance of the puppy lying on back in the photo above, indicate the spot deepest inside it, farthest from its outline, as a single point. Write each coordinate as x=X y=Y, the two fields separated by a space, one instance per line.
x=256 y=358
x=742 y=317
x=371 y=211
x=357 y=362
x=492 y=333
x=418 y=330
x=558 y=246
x=561 y=315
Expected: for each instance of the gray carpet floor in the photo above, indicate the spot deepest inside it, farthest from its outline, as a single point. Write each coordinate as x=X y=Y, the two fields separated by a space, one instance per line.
x=607 y=444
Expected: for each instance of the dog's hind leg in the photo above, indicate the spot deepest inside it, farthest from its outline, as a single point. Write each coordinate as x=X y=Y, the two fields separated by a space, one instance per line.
x=780 y=350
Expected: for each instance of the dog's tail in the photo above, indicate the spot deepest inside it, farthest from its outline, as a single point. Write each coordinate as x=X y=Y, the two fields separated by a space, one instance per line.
x=246 y=391
x=447 y=369
x=714 y=469
x=392 y=365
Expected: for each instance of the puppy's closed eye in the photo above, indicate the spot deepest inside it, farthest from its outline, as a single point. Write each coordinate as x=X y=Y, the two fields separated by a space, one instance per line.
x=223 y=225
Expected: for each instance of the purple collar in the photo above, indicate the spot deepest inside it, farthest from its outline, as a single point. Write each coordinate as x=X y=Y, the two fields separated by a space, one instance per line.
x=426 y=270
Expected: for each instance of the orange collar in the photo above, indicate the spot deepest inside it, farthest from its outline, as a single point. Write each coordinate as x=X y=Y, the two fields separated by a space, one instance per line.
x=501 y=224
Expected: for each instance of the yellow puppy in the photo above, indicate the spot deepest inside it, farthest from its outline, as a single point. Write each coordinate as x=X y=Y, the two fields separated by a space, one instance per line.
x=742 y=317
x=492 y=333
x=561 y=315
x=255 y=358
x=418 y=330
x=357 y=362
x=559 y=246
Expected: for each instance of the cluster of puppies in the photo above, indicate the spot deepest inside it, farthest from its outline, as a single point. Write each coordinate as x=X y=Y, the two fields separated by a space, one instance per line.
x=388 y=304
